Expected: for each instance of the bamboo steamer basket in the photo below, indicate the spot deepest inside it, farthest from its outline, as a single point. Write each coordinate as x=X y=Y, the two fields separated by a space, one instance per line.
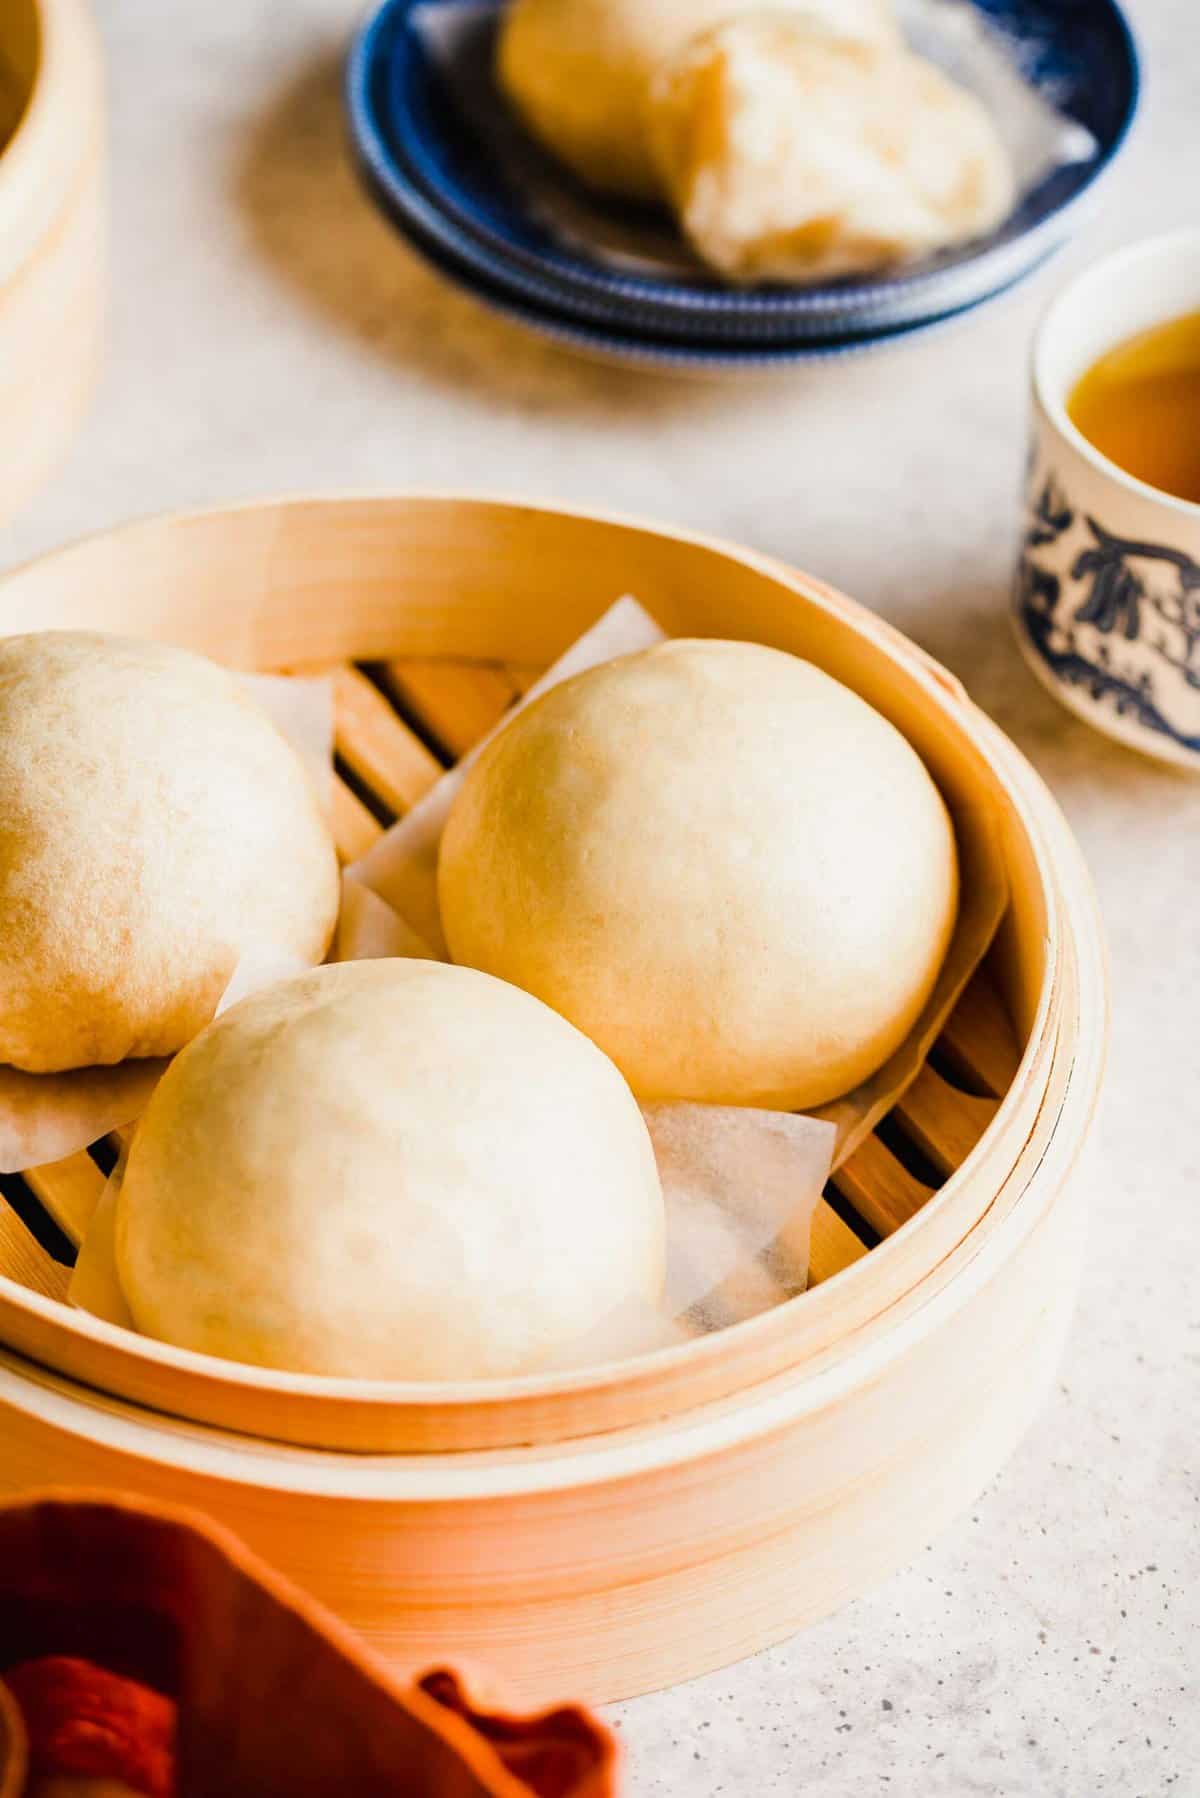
x=51 y=234
x=622 y=1528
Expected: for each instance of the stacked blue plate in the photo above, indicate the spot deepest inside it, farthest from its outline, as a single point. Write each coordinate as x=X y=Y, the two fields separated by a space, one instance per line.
x=451 y=165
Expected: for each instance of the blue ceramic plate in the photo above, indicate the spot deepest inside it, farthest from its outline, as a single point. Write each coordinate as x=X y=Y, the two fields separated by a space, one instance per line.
x=429 y=234
x=424 y=104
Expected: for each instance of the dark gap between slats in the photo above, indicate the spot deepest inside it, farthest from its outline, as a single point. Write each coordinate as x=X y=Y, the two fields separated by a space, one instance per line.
x=839 y=1203
x=914 y=1159
x=955 y=1072
x=37 y=1220
x=104 y=1154
x=382 y=814
x=377 y=674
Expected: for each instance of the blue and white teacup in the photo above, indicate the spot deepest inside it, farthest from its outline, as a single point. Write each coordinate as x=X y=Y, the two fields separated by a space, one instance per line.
x=1107 y=596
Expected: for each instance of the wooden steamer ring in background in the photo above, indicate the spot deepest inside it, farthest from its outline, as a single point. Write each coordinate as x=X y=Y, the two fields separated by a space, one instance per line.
x=52 y=252
x=623 y=1528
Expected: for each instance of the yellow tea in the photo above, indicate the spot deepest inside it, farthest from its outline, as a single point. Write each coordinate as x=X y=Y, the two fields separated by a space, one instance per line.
x=1140 y=406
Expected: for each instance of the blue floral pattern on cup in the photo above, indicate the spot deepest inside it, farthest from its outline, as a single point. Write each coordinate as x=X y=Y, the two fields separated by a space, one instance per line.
x=1116 y=618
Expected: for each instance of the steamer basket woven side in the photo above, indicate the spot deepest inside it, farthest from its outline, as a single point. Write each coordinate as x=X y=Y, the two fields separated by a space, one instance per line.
x=452 y=602
x=51 y=236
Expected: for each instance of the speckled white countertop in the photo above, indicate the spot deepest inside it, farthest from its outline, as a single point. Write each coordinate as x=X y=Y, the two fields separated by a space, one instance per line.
x=268 y=333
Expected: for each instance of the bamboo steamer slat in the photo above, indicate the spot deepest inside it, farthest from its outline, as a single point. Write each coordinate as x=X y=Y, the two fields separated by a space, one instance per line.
x=458 y=704
x=306 y=582
x=52 y=203
x=27 y=1262
x=678 y=1509
x=70 y=1190
x=882 y=1190
x=375 y=744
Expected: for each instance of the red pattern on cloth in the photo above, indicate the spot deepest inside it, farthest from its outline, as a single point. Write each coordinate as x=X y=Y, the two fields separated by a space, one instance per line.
x=85 y=1721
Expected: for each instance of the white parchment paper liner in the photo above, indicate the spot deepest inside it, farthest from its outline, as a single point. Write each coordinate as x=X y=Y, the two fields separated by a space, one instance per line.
x=631 y=240
x=45 y=1117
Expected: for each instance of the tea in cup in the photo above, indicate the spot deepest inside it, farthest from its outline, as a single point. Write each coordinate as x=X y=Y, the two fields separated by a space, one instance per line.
x=1107 y=597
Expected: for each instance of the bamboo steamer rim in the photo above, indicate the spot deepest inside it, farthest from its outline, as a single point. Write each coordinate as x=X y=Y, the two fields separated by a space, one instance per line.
x=55 y=132
x=1038 y=818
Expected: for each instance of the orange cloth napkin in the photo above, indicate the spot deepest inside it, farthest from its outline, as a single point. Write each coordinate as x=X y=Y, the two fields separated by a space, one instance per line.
x=261 y=1689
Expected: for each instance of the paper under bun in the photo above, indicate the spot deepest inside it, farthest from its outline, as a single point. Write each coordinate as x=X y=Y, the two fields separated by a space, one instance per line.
x=154 y=827
x=389 y=1170
x=722 y=865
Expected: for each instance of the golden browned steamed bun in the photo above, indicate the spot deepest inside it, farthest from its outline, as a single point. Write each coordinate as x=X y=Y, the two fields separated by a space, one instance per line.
x=389 y=1170
x=154 y=827
x=793 y=155
x=579 y=71
x=721 y=864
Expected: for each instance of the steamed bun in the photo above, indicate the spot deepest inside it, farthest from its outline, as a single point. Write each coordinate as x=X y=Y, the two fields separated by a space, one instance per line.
x=154 y=826
x=793 y=155
x=389 y=1170
x=578 y=71
x=728 y=870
